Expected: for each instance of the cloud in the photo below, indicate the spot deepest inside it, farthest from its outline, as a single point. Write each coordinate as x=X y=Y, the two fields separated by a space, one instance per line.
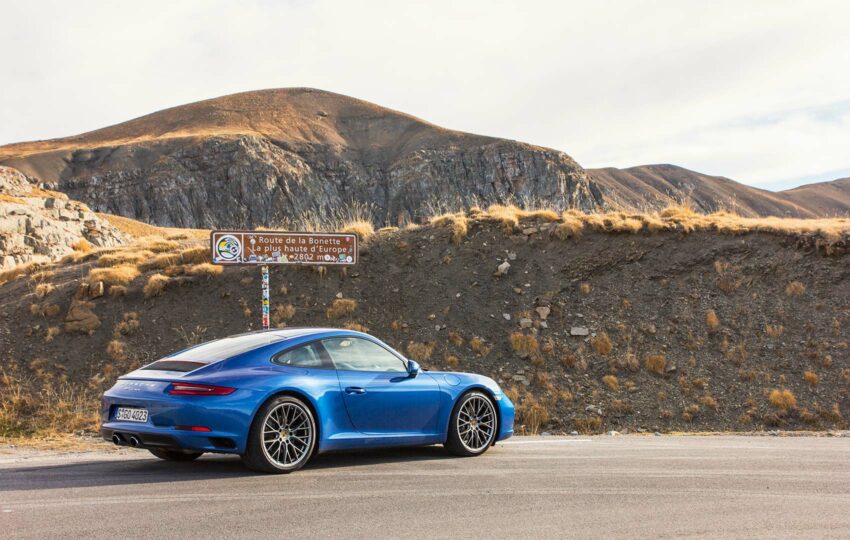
x=750 y=91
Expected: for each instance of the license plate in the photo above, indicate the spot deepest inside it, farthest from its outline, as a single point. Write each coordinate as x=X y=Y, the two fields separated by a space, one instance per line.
x=128 y=414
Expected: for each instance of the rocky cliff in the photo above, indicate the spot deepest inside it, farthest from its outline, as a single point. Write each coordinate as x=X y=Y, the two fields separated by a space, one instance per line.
x=40 y=225
x=269 y=158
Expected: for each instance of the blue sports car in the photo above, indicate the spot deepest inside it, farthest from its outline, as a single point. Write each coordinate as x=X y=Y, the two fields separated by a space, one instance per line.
x=277 y=397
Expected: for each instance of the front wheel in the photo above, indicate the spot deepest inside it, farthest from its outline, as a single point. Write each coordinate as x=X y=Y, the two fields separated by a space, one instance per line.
x=282 y=436
x=472 y=428
x=174 y=455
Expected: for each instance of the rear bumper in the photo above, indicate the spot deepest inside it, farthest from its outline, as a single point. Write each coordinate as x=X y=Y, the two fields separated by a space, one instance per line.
x=146 y=436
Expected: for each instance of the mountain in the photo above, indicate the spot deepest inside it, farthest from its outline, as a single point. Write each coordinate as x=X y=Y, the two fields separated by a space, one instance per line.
x=267 y=157
x=278 y=158
x=652 y=187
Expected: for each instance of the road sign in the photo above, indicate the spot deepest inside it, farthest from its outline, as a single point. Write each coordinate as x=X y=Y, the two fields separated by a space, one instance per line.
x=298 y=248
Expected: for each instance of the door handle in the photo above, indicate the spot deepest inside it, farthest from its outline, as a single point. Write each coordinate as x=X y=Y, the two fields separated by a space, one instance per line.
x=355 y=390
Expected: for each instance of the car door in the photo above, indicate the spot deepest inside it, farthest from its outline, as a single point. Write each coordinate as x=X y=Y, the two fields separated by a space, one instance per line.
x=380 y=396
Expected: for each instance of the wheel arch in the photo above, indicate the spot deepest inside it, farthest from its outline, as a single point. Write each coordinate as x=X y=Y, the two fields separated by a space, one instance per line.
x=301 y=396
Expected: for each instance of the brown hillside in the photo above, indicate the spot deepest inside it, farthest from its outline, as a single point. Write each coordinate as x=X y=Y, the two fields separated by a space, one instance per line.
x=671 y=321
x=823 y=198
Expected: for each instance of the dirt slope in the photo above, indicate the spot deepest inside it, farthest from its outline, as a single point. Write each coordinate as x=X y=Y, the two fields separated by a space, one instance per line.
x=602 y=330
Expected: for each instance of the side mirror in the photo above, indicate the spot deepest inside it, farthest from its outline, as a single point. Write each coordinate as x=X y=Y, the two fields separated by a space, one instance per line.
x=413 y=368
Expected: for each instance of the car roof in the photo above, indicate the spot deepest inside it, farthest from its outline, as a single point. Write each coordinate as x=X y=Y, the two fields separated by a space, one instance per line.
x=294 y=331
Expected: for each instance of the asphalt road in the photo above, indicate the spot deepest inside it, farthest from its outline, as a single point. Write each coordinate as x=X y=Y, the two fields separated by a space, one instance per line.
x=626 y=486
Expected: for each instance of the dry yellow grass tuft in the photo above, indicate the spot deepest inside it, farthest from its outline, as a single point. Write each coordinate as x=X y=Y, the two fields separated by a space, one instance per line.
x=531 y=413
x=611 y=382
x=708 y=401
x=356 y=327
x=117 y=350
x=711 y=320
x=588 y=425
x=656 y=363
x=127 y=256
x=155 y=285
x=795 y=289
x=43 y=289
x=601 y=343
x=283 y=313
x=157 y=244
x=116 y=275
x=774 y=330
x=128 y=324
x=20 y=270
x=51 y=334
x=341 y=307
x=42 y=276
x=570 y=227
x=811 y=377
x=458 y=223
x=523 y=344
x=208 y=270
x=196 y=255
x=783 y=399
x=585 y=288
x=452 y=361
x=82 y=246
x=420 y=351
x=455 y=338
x=361 y=227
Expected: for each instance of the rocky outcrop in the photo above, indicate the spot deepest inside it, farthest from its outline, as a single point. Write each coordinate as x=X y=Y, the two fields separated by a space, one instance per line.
x=273 y=158
x=40 y=225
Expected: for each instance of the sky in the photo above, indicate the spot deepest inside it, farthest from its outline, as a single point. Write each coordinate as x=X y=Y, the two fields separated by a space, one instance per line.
x=758 y=91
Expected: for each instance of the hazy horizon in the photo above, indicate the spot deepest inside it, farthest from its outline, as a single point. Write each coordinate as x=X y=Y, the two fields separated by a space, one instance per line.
x=759 y=95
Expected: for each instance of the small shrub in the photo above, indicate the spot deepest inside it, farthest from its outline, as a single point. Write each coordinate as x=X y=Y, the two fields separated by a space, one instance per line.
x=458 y=223
x=656 y=363
x=117 y=350
x=774 y=330
x=585 y=288
x=611 y=382
x=283 y=313
x=452 y=361
x=52 y=332
x=128 y=324
x=747 y=375
x=524 y=344
x=116 y=275
x=157 y=244
x=708 y=401
x=43 y=289
x=196 y=255
x=123 y=257
x=82 y=246
x=811 y=377
x=601 y=343
x=42 y=276
x=341 y=307
x=155 y=285
x=355 y=326
x=782 y=399
x=208 y=270
x=455 y=339
x=587 y=425
x=116 y=291
x=420 y=351
x=361 y=227
x=543 y=380
x=477 y=345
x=690 y=412
x=711 y=320
x=621 y=406
x=795 y=289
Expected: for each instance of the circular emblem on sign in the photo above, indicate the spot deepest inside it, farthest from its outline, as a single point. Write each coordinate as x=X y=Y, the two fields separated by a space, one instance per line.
x=227 y=248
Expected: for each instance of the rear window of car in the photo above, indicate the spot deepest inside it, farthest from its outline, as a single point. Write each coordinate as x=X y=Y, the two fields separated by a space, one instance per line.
x=220 y=349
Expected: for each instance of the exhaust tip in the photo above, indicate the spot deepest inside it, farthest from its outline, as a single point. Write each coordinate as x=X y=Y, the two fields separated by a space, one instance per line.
x=116 y=438
x=135 y=442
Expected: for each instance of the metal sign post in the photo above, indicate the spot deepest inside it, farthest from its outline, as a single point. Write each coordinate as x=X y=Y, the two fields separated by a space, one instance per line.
x=262 y=248
x=265 y=273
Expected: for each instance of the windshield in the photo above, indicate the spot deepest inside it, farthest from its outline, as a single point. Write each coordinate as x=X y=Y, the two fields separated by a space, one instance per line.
x=220 y=349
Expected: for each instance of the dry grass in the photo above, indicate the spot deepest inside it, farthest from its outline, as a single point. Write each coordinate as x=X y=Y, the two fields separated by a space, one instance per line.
x=478 y=346
x=128 y=324
x=585 y=288
x=117 y=350
x=708 y=401
x=116 y=291
x=42 y=276
x=51 y=334
x=531 y=413
x=711 y=320
x=357 y=327
x=341 y=307
x=455 y=339
x=155 y=285
x=795 y=289
x=44 y=411
x=117 y=275
x=283 y=313
x=82 y=246
x=420 y=351
x=361 y=227
x=783 y=399
x=523 y=344
x=611 y=382
x=811 y=377
x=207 y=270
x=601 y=344
x=622 y=406
x=196 y=255
x=457 y=222
x=774 y=330
x=128 y=256
x=20 y=270
x=656 y=363
x=43 y=289
x=452 y=361
x=588 y=425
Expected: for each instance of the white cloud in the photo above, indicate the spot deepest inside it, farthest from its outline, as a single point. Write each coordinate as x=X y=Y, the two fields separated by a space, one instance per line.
x=755 y=91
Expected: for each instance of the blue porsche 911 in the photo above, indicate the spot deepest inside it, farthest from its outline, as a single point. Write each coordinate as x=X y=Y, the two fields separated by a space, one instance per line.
x=277 y=397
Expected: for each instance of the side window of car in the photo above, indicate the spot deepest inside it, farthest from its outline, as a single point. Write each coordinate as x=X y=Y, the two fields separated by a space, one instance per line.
x=306 y=356
x=355 y=354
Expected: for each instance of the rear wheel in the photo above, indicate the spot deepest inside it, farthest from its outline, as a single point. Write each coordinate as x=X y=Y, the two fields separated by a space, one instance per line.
x=282 y=436
x=472 y=428
x=175 y=455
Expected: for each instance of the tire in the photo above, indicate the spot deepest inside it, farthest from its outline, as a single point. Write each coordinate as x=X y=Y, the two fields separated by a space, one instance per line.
x=282 y=436
x=469 y=435
x=175 y=455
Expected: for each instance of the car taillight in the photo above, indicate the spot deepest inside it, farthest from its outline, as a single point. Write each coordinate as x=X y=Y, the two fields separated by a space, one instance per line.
x=192 y=389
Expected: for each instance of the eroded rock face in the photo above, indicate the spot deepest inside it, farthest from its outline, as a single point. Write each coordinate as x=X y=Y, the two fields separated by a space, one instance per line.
x=250 y=181
x=39 y=225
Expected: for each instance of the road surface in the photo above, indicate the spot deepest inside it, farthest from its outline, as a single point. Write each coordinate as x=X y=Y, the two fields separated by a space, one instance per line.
x=624 y=486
